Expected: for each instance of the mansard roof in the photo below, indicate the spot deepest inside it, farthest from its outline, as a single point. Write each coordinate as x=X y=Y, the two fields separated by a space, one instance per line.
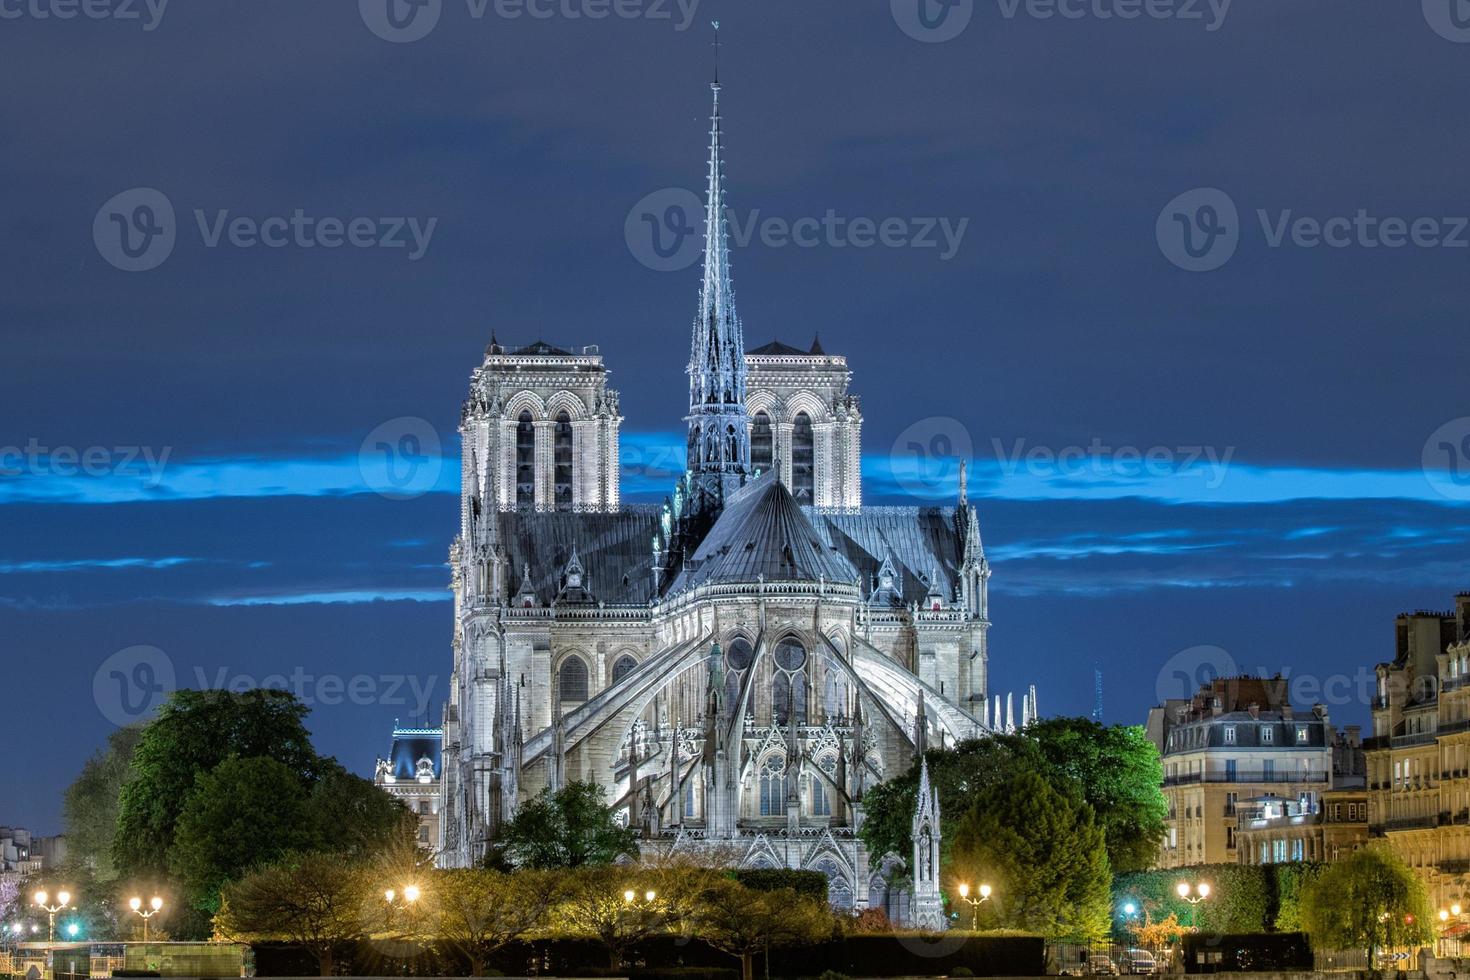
x=763 y=534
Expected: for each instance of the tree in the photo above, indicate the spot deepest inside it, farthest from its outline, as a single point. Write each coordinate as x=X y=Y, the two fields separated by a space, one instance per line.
x=1044 y=854
x=350 y=815
x=90 y=806
x=957 y=774
x=571 y=828
x=612 y=904
x=743 y=921
x=1370 y=900
x=1118 y=772
x=193 y=732
x=1162 y=933
x=317 y=900
x=475 y=912
x=239 y=814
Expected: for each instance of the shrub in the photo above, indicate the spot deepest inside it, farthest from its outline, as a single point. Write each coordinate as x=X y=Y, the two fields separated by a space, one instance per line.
x=872 y=920
x=812 y=883
x=962 y=971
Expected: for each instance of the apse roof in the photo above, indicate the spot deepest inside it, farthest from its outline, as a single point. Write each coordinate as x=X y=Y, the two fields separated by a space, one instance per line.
x=763 y=534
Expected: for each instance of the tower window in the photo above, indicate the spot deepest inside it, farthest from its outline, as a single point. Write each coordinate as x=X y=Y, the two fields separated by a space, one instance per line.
x=803 y=459
x=525 y=462
x=562 y=458
x=623 y=667
x=762 y=454
x=573 y=680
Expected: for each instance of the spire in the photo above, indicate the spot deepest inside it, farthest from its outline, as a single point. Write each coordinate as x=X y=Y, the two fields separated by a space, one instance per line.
x=719 y=440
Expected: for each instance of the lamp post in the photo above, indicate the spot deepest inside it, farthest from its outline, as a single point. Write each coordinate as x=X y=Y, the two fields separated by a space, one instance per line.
x=404 y=900
x=974 y=903
x=155 y=905
x=1193 y=894
x=63 y=901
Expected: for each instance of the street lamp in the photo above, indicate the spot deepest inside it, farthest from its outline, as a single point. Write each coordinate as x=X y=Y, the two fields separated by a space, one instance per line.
x=974 y=903
x=155 y=905
x=1193 y=895
x=404 y=900
x=63 y=901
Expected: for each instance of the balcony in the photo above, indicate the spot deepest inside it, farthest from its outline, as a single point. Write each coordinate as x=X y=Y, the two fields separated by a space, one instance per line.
x=1194 y=778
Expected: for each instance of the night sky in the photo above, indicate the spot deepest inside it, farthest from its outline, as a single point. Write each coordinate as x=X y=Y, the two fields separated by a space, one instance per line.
x=1207 y=434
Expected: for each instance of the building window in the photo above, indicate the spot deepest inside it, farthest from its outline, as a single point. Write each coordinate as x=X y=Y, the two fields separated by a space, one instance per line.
x=573 y=680
x=788 y=694
x=762 y=446
x=1268 y=735
x=1229 y=734
x=1268 y=770
x=1278 y=852
x=803 y=459
x=1296 y=849
x=1301 y=734
x=623 y=667
x=1230 y=838
x=1230 y=800
x=525 y=462
x=773 y=786
x=1230 y=770
x=561 y=445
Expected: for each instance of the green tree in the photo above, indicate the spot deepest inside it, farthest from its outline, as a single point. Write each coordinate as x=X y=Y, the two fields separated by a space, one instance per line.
x=959 y=773
x=239 y=814
x=1118 y=772
x=90 y=806
x=1370 y=900
x=1042 y=852
x=350 y=815
x=743 y=921
x=571 y=828
x=318 y=900
x=475 y=912
x=621 y=906
x=193 y=732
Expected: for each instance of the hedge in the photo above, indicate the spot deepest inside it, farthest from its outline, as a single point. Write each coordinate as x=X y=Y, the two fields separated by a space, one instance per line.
x=1243 y=898
x=813 y=884
x=903 y=955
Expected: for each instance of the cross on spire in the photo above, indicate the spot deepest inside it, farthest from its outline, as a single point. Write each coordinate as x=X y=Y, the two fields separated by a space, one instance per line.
x=716 y=44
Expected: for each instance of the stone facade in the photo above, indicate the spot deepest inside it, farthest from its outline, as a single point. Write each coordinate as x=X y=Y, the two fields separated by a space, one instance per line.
x=1419 y=755
x=735 y=666
x=1236 y=742
x=410 y=775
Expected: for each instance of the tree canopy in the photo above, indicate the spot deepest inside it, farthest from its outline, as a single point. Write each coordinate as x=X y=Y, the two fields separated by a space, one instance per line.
x=1370 y=900
x=571 y=828
x=1042 y=852
x=90 y=806
x=319 y=900
x=193 y=733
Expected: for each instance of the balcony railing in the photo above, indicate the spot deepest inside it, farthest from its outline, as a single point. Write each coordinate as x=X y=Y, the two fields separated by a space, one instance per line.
x=1190 y=778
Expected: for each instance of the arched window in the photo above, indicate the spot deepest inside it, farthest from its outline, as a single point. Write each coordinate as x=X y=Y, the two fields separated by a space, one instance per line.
x=788 y=694
x=525 y=462
x=762 y=451
x=821 y=792
x=803 y=459
x=732 y=444
x=694 y=447
x=622 y=667
x=561 y=448
x=773 y=786
x=573 y=680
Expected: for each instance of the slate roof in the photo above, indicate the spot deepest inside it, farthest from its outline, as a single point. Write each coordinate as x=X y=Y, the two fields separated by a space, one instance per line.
x=920 y=540
x=763 y=534
x=412 y=744
x=615 y=549
x=763 y=531
x=776 y=347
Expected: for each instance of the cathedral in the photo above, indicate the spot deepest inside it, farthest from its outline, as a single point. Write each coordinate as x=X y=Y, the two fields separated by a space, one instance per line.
x=734 y=666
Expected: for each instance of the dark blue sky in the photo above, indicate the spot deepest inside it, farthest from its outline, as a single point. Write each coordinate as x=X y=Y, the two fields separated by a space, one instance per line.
x=1066 y=323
